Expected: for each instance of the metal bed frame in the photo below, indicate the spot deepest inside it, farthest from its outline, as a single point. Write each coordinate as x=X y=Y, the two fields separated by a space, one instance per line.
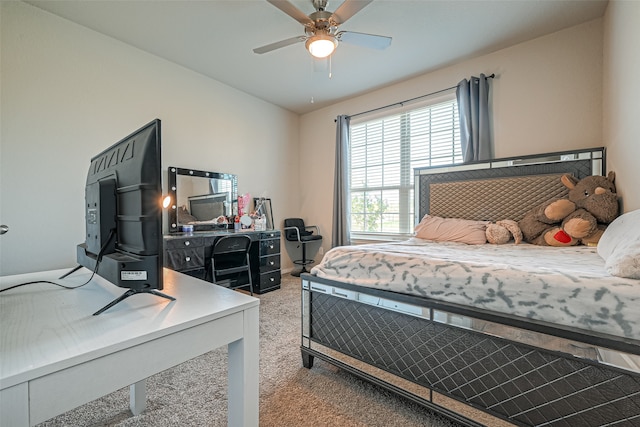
x=475 y=366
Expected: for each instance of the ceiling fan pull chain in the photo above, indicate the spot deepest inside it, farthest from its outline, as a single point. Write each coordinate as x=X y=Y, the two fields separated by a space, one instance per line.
x=330 y=61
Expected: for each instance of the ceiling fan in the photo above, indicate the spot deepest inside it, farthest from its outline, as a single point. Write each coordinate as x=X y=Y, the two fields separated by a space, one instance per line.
x=321 y=28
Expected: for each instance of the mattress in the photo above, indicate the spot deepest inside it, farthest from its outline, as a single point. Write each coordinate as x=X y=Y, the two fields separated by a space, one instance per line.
x=564 y=286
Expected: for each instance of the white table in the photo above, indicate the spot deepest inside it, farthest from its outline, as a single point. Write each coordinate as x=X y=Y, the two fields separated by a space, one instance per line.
x=55 y=355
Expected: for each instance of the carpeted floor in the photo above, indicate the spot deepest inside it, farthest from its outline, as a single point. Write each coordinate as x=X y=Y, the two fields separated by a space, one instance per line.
x=195 y=393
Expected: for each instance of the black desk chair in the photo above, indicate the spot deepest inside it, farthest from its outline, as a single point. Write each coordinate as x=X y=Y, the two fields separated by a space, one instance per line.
x=230 y=266
x=296 y=231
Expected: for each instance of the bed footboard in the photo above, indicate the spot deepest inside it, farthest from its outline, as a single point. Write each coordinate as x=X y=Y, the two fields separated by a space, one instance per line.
x=442 y=361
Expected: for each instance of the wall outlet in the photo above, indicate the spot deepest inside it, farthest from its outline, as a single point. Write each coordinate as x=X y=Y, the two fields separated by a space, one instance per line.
x=321 y=250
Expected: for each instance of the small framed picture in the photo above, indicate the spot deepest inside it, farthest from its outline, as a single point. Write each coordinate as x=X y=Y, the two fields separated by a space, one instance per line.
x=262 y=206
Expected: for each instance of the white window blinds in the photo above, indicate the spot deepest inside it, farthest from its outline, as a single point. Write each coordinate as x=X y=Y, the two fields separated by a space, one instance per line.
x=384 y=152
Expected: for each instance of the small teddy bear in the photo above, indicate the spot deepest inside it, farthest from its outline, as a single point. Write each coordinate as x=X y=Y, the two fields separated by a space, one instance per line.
x=503 y=231
x=591 y=205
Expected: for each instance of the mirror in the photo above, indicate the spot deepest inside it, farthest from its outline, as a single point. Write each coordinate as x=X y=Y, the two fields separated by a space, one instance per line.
x=200 y=198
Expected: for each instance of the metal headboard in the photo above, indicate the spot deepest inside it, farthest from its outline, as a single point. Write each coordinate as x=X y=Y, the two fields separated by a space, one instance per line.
x=501 y=188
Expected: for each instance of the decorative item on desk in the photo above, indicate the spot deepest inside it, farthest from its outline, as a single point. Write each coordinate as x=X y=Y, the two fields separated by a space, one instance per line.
x=260 y=223
x=221 y=222
x=246 y=221
x=236 y=223
x=243 y=204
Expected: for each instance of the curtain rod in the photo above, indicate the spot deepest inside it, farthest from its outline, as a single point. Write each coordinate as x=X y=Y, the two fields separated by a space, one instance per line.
x=401 y=103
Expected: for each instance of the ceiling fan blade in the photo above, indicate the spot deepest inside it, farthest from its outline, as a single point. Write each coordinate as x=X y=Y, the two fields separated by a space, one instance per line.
x=348 y=9
x=278 y=45
x=365 y=40
x=292 y=11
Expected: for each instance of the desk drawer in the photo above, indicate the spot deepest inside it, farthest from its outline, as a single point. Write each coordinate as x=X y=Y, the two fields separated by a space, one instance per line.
x=270 y=234
x=185 y=259
x=269 y=281
x=269 y=263
x=191 y=242
x=269 y=247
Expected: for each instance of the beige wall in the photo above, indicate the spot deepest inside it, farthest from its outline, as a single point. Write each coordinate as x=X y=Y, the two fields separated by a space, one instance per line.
x=547 y=96
x=69 y=92
x=621 y=110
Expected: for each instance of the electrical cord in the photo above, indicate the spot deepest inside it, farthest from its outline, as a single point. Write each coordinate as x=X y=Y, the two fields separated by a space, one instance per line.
x=95 y=269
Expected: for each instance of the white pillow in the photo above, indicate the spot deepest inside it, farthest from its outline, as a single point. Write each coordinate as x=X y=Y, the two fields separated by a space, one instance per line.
x=619 y=246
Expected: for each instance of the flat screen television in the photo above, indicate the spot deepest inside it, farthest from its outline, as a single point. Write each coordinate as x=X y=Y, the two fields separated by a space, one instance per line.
x=123 y=214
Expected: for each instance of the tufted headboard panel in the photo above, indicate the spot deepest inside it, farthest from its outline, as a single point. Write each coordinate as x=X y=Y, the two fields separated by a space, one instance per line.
x=501 y=188
x=493 y=199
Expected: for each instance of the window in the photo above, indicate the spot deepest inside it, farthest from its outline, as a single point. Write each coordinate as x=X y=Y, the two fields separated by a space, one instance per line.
x=384 y=152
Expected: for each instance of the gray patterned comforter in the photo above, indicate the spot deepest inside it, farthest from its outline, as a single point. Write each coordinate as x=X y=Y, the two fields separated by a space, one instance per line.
x=565 y=286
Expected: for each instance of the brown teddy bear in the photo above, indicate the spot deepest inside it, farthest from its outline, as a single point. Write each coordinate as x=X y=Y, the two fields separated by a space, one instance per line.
x=592 y=203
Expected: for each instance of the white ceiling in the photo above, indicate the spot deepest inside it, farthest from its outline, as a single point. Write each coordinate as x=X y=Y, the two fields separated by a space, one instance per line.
x=216 y=38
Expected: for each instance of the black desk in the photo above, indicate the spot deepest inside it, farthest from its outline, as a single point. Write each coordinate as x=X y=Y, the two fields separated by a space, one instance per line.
x=191 y=254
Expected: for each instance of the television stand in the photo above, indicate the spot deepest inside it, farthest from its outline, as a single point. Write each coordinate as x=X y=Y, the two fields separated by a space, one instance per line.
x=123 y=296
x=76 y=268
x=132 y=292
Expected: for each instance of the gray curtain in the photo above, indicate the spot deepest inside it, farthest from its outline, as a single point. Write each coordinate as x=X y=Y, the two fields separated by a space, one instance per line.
x=473 y=106
x=341 y=213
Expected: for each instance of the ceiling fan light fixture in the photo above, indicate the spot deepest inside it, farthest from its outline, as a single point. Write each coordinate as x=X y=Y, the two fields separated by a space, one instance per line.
x=321 y=45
